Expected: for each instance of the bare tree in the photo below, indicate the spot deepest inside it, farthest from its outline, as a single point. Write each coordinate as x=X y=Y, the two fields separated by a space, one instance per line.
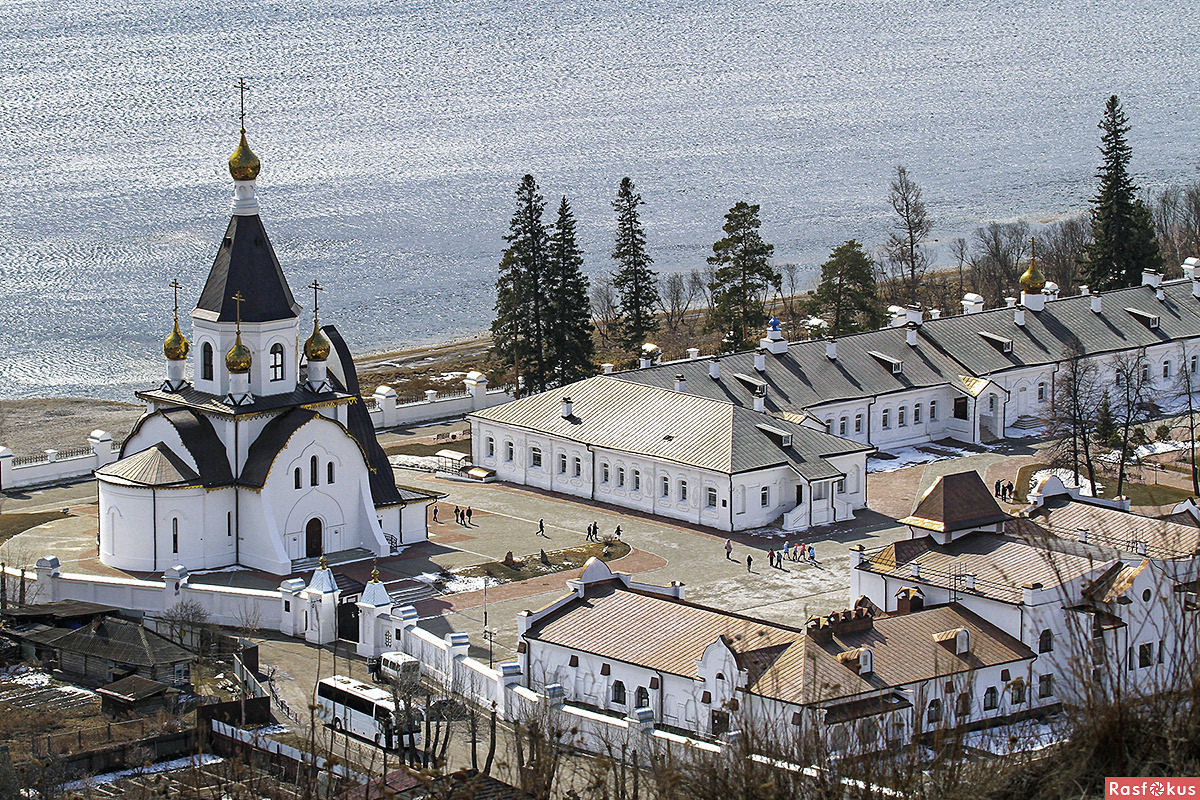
x=1183 y=398
x=1176 y=215
x=706 y=276
x=958 y=249
x=1061 y=248
x=1072 y=416
x=676 y=297
x=1131 y=374
x=995 y=263
x=906 y=252
x=606 y=307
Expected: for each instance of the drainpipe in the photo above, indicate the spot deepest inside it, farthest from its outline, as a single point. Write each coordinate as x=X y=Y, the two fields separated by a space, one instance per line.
x=592 y=483
x=153 y=526
x=237 y=497
x=731 y=502
x=662 y=690
x=810 y=503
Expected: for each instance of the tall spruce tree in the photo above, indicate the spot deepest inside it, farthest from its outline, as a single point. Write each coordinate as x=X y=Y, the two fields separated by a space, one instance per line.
x=1123 y=243
x=636 y=283
x=743 y=275
x=519 y=330
x=847 y=296
x=571 y=350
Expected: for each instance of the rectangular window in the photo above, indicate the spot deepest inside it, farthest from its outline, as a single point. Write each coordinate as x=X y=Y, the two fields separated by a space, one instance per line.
x=933 y=410
x=604 y=474
x=562 y=464
x=842 y=426
x=764 y=497
x=1018 y=693
x=620 y=477
x=683 y=491
x=960 y=408
x=491 y=447
x=710 y=498
x=1041 y=392
x=329 y=472
x=1046 y=686
x=577 y=468
x=1195 y=362
x=637 y=481
x=917 y=414
x=1146 y=655
x=175 y=535
x=887 y=418
x=535 y=456
x=900 y=416
x=858 y=423
x=229 y=523
x=840 y=486
x=666 y=487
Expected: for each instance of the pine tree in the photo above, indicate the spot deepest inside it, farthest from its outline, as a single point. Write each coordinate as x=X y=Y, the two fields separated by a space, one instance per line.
x=847 y=293
x=570 y=348
x=1106 y=423
x=519 y=330
x=743 y=275
x=1123 y=243
x=636 y=283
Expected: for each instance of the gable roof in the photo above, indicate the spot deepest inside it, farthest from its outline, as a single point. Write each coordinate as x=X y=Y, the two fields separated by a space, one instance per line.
x=682 y=427
x=122 y=642
x=199 y=438
x=157 y=465
x=246 y=264
x=1063 y=516
x=954 y=503
x=274 y=437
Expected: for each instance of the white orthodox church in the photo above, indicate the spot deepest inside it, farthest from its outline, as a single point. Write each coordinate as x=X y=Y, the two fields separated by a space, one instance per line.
x=267 y=457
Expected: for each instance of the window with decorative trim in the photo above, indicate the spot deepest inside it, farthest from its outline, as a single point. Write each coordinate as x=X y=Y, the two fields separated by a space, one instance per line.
x=535 y=457
x=276 y=362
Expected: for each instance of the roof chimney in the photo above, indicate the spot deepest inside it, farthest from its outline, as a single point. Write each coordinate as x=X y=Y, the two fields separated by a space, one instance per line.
x=1189 y=267
x=1019 y=315
x=972 y=303
x=1151 y=278
x=693 y=353
x=567 y=408
x=760 y=360
x=760 y=400
x=1083 y=535
x=1010 y=302
x=607 y=367
x=1096 y=303
x=914 y=315
x=680 y=383
x=915 y=570
x=969 y=582
x=1083 y=289
x=714 y=368
x=831 y=349
x=935 y=313
x=1160 y=293
x=644 y=362
x=910 y=334
x=1196 y=287
x=1140 y=548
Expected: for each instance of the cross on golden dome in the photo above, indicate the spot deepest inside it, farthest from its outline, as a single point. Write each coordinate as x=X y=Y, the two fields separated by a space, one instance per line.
x=317 y=347
x=175 y=346
x=239 y=358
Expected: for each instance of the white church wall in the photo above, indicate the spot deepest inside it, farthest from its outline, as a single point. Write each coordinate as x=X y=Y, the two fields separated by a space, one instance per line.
x=258 y=337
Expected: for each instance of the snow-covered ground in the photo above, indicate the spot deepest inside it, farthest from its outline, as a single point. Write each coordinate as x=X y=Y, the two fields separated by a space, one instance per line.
x=153 y=769
x=456 y=584
x=911 y=456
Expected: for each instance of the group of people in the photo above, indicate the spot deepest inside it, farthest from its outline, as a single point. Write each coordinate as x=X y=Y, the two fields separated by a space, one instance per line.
x=461 y=515
x=792 y=552
x=593 y=533
x=1004 y=490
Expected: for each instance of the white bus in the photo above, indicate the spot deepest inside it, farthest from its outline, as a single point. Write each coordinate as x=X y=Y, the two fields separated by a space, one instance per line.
x=367 y=711
x=401 y=668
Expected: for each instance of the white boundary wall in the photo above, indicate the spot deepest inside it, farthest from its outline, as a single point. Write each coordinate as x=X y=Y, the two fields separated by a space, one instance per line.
x=387 y=410
x=55 y=465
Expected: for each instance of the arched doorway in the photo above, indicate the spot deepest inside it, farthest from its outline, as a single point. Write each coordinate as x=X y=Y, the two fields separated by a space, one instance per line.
x=313 y=538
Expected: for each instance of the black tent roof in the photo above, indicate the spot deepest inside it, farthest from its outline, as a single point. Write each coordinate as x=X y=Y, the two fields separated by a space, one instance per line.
x=246 y=263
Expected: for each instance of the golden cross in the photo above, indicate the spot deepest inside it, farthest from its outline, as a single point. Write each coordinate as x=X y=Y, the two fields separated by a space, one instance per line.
x=1033 y=250
x=316 y=287
x=175 y=285
x=242 y=87
x=237 y=298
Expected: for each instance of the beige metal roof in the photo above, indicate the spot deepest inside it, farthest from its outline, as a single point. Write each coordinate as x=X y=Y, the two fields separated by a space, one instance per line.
x=157 y=465
x=1111 y=527
x=668 y=635
x=954 y=503
x=673 y=426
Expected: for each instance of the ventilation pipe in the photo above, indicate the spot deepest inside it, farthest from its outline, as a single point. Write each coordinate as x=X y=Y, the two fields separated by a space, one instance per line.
x=714 y=368
x=910 y=334
x=935 y=313
x=607 y=367
x=972 y=303
x=1151 y=278
x=831 y=349
x=693 y=353
x=680 y=383
x=567 y=408
x=1019 y=315
x=760 y=360
x=760 y=400
x=1010 y=302
x=1096 y=303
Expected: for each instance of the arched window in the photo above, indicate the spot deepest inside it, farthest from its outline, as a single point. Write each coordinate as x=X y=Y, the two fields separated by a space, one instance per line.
x=329 y=472
x=206 y=362
x=276 y=362
x=577 y=468
x=491 y=447
x=562 y=463
x=641 y=698
x=1195 y=362
x=764 y=497
x=314 y=472
x=934 y=713
x=1018 y=692
x=933 y=410
x=710 y=497
x=858 y=423
x=1046 y=641
x=991 y=699
x=535 y=457
x=508 y=451
x=1042 y=392
x=666 y=487
x=175 y=534
x=637 y=481
x=620 y=477
x=683 y=491
x=299 y=479
x=842 y=426
x=900 y=416
x=1145 y=372
x=887 y=418
x=604 y=472
x=917 y=414
x=1166 y=369
x=618 y=693
x=963 y=707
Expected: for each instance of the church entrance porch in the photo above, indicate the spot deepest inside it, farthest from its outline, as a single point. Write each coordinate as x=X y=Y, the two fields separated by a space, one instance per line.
x=314 y=543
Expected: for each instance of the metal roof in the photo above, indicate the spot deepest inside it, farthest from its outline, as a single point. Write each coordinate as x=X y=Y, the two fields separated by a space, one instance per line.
x=1111 y=527
x=954 y=503
x=199 y=438
x=246 y=264
x=681 y=427
x=157 y=465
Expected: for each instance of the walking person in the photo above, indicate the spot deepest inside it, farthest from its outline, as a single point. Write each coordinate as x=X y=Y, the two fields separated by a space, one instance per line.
x=999 y=487
x=729 y=549
x=595 y=531
x=469 y=512
x=749 y=561
x=542 y=528
x=771 y=558
x=618 y=533
x=457 y=515
x=591 y=532
x=812 y=554
x=435 y=519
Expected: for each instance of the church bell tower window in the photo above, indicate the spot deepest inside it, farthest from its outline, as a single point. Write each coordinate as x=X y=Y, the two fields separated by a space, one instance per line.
x=206 y=362
x=276 y=362
x=175 y=534
x=315 y=473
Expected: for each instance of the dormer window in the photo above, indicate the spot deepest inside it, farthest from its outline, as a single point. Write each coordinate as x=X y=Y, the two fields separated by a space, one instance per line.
x=894 y=364
x=1001 y=343
x=780 y=437
x=866 y=661
x=1144 y=317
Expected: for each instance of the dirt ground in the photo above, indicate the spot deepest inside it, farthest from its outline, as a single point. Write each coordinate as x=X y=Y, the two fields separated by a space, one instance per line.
x=31 y=426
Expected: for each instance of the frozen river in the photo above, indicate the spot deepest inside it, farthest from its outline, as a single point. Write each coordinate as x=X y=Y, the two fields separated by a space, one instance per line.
x=393 y=135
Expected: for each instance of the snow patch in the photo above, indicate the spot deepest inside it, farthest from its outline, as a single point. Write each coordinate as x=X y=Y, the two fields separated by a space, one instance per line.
x=1068 y=477
x=165 y=766
x=912 y=456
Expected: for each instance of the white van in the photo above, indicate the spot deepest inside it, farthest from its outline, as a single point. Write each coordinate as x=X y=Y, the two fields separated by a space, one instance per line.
x=399 y=667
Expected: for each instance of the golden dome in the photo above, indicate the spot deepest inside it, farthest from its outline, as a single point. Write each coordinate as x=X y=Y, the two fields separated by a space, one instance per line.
x=175 y=347
x=1033 y=281
x=317 y=346
x=243 y=164
x=237 y=360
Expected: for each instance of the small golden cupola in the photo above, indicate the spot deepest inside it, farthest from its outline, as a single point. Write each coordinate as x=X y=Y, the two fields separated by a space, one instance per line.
x=1033 y=281
x=243 y=164
x=238 y=359
x=317 y=347
x=175 y=346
